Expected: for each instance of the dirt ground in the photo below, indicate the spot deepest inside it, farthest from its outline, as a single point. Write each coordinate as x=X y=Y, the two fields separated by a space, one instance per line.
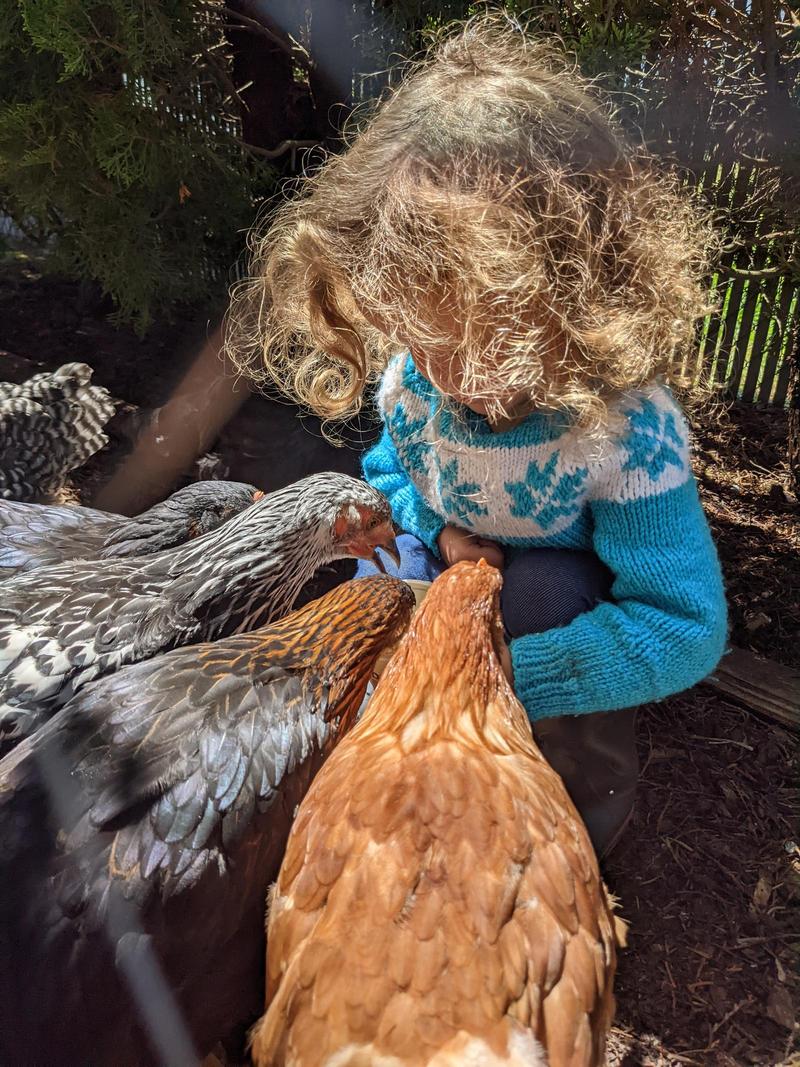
x=708 y=880
x=709 y=873
x=740 y=462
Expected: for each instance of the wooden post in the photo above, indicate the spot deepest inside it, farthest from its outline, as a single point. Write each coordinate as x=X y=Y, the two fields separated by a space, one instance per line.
x=183 y=429
x=769 y=688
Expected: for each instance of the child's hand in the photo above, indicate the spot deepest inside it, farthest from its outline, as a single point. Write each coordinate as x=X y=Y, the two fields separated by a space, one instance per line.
x=456 y=544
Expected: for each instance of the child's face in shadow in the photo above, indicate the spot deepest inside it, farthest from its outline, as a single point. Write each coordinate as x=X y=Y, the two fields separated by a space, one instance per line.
x=446 y=372
x=444 y=368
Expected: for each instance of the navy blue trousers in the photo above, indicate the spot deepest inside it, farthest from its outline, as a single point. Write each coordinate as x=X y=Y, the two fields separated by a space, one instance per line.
x=544 y=588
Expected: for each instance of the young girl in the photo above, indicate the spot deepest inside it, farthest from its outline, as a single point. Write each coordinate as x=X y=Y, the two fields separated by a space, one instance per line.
x=526 y=281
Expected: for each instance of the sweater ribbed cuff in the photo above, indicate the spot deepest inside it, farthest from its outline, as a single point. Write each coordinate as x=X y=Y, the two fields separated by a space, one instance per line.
x=545 y=680
x=429 y=534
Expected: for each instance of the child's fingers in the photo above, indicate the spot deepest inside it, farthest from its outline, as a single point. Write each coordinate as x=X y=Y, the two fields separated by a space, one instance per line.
x=474 y=551
x=456 y=544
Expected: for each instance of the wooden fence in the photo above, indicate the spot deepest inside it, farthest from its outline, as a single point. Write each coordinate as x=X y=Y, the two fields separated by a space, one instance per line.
x=747 y=346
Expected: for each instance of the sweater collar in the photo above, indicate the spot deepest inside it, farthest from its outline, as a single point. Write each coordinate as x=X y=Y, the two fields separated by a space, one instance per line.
x=459 y=423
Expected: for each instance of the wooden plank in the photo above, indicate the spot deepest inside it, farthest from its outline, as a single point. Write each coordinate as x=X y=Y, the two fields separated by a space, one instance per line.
x=788 y=343
x=710 y=330
x=773 y=341
x=769 y=688
x=741 y=335
x=729 y=358
x=727 y=328
x=757 y=349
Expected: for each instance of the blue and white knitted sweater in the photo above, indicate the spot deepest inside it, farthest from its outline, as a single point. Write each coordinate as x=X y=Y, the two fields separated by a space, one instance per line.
x=630 y=498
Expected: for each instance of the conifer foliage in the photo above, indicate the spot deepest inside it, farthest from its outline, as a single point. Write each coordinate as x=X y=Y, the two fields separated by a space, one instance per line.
x=119 y=147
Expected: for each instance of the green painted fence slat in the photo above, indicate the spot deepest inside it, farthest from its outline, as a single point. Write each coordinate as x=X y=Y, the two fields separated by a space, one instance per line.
x=770 y=357
x=756 y=348
x=788 y=344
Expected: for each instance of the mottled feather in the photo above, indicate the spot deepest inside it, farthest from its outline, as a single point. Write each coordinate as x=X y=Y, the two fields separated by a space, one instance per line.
x=38 y=535
x=64 y=625
x=183 y=774
x=49 y=426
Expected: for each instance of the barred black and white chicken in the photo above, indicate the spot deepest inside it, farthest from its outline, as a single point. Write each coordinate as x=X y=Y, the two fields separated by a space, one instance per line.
x=148 y=818
x=63 y=626
x=49 y=426
x=39 y=535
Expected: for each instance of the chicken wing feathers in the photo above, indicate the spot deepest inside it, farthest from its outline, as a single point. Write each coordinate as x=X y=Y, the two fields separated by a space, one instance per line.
x=419 y=911
x=37 y=535
x=35 y=538
x=62 y=626
x=181 y=777
x=49 y=426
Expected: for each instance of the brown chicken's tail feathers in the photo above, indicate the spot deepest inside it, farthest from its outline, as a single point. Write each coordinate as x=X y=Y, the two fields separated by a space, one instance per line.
x=49 y=426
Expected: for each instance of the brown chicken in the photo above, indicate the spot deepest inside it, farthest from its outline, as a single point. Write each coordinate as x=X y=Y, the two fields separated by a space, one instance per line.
x=439 y=903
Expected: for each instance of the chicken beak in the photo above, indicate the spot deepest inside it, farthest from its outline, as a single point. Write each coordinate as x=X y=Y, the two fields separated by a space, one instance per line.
x=389 y=546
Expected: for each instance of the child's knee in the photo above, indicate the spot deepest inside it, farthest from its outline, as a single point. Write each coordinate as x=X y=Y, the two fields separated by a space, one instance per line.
x=545 y=588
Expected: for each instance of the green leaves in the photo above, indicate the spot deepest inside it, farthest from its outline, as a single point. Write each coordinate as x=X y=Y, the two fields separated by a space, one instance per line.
x=109 y=113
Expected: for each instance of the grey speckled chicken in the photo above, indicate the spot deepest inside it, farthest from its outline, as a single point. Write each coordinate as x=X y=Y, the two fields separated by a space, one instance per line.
x=182 y=776
x=49 y=425
x=38 y=535
x=63 y=626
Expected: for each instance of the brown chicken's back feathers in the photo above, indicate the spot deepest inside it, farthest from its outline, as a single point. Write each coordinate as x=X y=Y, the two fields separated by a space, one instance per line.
x=439 y=902
x=187 y=770
x=49 y=426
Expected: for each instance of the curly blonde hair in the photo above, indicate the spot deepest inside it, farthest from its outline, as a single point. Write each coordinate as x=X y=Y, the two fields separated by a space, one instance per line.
x=492 y=209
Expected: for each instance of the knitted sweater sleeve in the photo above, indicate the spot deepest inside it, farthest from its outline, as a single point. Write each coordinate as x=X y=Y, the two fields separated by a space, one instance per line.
x=666 y=627
x=383 y=469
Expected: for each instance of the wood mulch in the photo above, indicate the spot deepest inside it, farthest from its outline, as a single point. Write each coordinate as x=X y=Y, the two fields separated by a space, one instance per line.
x=708 y=875
x=741 y=466
x=709 y=880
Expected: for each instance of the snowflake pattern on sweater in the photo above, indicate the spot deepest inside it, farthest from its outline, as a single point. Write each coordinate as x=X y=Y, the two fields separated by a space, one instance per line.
x=545 y=495
x=531 y=483
x=631 y=498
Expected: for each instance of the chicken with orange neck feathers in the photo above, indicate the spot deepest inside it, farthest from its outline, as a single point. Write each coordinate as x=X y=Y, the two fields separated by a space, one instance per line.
x=439 y=902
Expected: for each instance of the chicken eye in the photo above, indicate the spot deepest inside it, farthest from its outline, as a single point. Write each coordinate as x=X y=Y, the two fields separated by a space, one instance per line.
x=373 y=522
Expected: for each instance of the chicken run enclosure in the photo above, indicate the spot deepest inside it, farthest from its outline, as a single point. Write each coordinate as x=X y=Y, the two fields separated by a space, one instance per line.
x=137 y=145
